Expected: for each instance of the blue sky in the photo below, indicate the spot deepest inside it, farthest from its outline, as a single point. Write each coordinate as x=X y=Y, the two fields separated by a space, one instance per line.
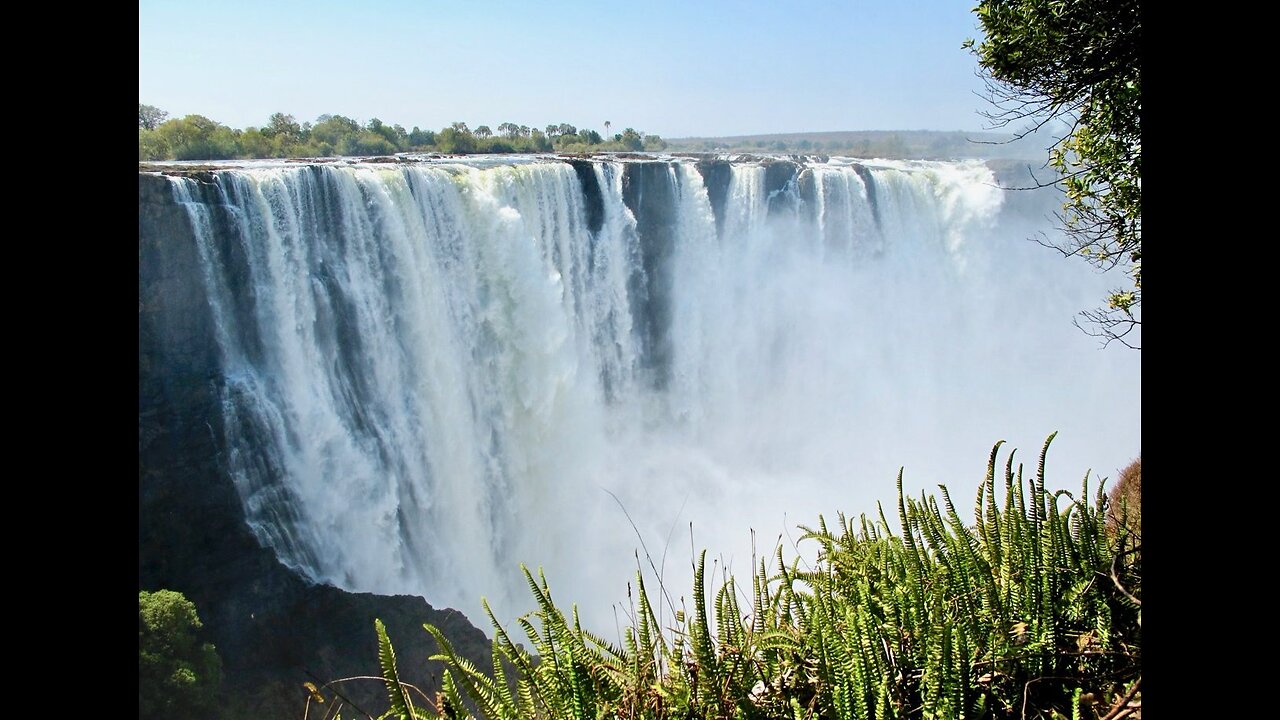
x=676 y=69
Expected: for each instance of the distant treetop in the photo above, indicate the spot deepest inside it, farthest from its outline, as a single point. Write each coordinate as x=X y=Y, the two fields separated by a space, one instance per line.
x=196 y=137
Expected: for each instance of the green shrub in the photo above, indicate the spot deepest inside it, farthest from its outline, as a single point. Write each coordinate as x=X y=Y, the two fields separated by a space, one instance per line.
x=178 y=676
x=1027 y=613
x=365 y=143
x=151 y=146
x=1126 y=500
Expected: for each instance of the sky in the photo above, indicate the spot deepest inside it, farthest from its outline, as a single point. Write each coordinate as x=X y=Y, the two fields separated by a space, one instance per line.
x=672 y=68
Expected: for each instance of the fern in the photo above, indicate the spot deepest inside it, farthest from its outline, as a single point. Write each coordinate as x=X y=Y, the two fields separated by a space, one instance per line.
x=937 y=620
x=401 y=704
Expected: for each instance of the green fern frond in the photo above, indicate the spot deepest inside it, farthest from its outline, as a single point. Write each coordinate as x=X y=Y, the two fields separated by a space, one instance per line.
x=401 y=704
x=934 y=619
x=452 y=697
x=514 y=654
x=480 y=687
x=502 y=684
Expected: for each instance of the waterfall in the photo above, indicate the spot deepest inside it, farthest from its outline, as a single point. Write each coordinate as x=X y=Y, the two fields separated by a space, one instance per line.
x=432 y=372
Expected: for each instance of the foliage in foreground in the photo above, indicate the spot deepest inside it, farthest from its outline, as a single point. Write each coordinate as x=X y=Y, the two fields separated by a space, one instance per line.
x=1033 y=611
x=178 y=676
x=1126 y=501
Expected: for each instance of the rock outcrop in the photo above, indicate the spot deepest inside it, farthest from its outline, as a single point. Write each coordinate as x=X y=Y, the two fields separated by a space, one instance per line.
x=273 y=629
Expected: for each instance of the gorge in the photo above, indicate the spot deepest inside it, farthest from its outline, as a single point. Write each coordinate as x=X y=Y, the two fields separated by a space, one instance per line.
x=405 y=378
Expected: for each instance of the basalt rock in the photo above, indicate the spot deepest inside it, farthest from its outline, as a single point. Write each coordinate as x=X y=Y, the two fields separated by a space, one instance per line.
x=273 y=629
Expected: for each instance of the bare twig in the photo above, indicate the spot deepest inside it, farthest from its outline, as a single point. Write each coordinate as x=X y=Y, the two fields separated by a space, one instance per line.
x=647 y=555
x=1116 y=579
x=1121 y=708
x=329 y=686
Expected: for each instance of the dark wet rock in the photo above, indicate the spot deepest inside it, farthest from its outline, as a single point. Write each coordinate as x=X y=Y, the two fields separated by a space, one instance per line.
x=779 y=185
x=868 y=180
x=274 y=630
x=649 y=191
x=807 y=188
x=716 y=174
x=592 y=195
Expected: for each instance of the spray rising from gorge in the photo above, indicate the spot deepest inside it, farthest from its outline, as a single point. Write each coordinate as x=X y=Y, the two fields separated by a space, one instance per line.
x=432 y=372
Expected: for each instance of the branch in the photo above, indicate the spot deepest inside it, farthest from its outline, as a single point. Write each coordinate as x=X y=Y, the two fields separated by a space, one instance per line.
x=1106 y=322
x=1120 y=709
x=330 y=687
x=1115 y=579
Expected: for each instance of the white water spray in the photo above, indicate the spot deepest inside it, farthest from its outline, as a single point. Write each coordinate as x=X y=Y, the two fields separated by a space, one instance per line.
x=434 y=373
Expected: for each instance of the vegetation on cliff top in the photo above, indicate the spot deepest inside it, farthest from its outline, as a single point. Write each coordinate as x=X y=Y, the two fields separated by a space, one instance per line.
x=196 y=137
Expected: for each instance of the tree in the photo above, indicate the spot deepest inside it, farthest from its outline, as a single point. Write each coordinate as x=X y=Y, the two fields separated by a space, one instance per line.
x=364 y=144
x=178 y=676
x=541 y=142
x=152 y=146
x=607 y=124
x=1125 y=510
x=1079 y=62
x=654 y=143
x=284 y=127
x=150 y=116
x=332 y=129
x=394 y=135
x=483 y=131
x=421 y=138
x=196 y=137
x=452 y=140
x=631 y=140
x=255 y=143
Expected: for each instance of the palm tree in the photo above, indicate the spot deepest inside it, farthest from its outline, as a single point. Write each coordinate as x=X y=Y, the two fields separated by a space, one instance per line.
x=606 y=129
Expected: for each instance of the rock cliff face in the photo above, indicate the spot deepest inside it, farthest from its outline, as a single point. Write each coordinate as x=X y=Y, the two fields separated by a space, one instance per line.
x=779 y=176
x=273 y=629
x=650 y=192
x=716 y=174
x=591 y=193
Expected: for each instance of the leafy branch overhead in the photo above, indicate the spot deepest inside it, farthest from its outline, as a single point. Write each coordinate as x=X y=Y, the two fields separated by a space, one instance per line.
x=1079 y=62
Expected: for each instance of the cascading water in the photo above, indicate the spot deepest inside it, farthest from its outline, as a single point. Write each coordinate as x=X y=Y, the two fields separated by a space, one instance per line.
x=435 y=372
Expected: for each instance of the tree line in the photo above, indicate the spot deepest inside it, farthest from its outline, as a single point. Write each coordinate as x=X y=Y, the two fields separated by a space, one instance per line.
x=196 y=137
